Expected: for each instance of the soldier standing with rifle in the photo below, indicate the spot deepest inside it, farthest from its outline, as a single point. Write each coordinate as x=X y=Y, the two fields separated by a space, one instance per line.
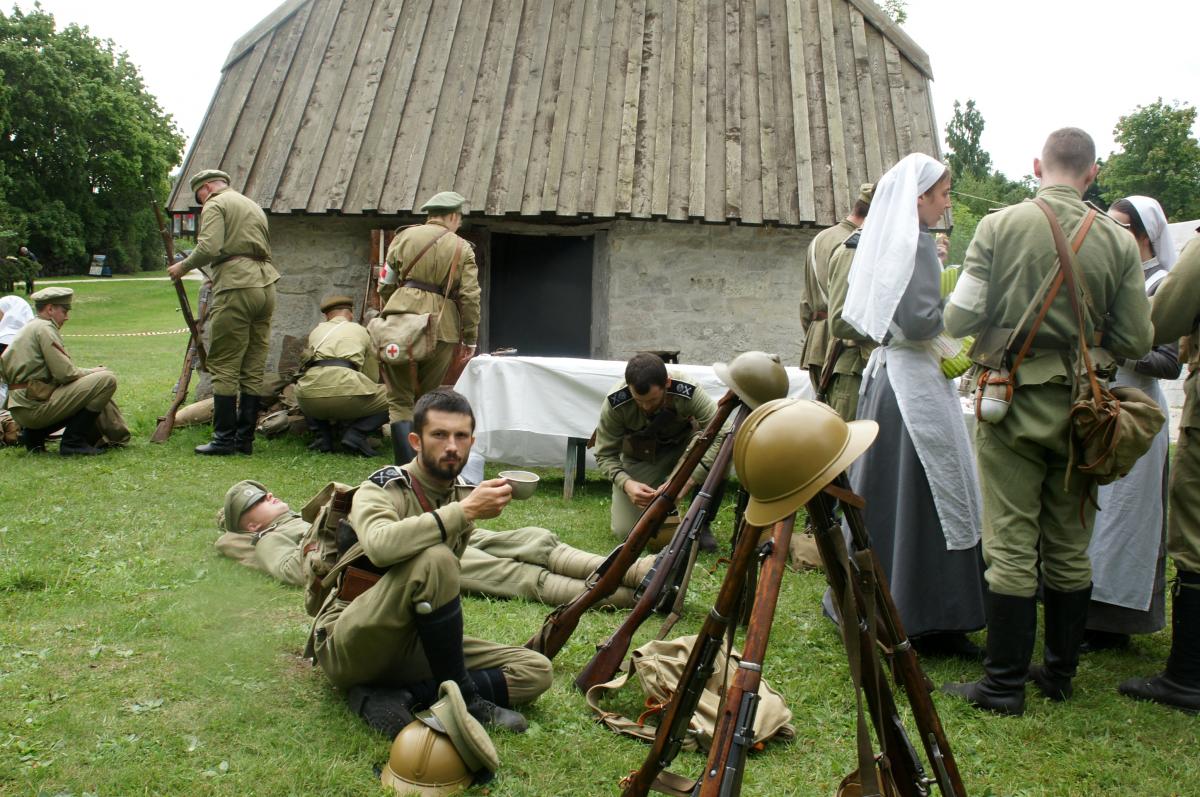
x=235 y=241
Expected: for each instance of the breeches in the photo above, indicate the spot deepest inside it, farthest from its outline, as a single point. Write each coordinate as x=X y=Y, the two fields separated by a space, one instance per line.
x=92 y=392
x=374 y=640
x=843 y=395
x=1183 y=519
x=343 y=408
x=1027 y=512
x=507 y=564
x=240 y=324
x=402 y=394
x=624 y=515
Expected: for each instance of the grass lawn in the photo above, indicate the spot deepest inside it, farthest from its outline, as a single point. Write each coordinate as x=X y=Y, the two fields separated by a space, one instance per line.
x=135 y=661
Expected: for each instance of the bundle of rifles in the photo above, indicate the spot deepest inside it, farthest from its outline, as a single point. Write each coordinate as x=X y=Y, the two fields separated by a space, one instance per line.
x=872 y=633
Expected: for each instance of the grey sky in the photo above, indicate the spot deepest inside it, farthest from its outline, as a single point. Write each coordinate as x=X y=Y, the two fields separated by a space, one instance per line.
x=1030 y=65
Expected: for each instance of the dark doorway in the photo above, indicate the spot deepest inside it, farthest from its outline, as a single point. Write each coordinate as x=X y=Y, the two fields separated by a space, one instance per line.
x=541 y=295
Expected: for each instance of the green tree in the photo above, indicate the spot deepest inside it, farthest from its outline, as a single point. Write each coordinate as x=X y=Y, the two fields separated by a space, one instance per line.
x=1159 y=157
x=963 y=134
x=82 y=144
x=896 y=9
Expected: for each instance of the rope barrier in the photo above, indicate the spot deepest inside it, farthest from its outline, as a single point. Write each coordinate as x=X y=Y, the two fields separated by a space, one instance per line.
x=129 y=334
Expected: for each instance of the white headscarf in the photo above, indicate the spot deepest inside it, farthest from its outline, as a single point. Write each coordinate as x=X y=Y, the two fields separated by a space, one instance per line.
x=886 y=254
x=1155 y=222
x=17 y=314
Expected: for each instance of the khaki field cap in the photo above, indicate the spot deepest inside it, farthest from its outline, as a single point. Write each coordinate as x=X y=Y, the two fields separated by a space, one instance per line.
x=866 y=192
x=55 y=295
x=755 y=376
x=443 y=752
x=238 y=499
x=336 y=300
x=444 y=201
x=787 y=450
x=202 y=177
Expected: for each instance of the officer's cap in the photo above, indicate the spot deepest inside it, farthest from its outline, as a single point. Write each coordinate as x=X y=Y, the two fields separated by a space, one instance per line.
x=444 y=202
x=53 y=295
x=450 y=716
x=333 y=301
x=238 y=499
x=203 y=176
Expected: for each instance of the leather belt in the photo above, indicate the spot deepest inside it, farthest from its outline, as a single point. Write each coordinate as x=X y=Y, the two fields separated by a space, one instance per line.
x=423 y=286
x=17 y=385
x=255 y=258
x=335 y=362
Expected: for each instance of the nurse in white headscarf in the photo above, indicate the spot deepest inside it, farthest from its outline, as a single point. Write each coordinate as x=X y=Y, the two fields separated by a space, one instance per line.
x=1128 y=548
x=923 y=508
x=15 y=313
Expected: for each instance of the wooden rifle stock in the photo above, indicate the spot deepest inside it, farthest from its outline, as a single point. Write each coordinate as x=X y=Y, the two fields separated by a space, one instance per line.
x=734 y=734
x=611 y=653
x=676 y=717
x=904 y=661
x=166 y=424
x=180 y=291
x=562 y=622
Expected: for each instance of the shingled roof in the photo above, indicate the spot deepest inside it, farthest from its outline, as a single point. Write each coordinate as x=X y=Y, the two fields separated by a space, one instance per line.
x=760 y=111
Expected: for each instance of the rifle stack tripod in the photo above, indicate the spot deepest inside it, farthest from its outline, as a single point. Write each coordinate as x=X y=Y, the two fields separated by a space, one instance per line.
x=874 y=637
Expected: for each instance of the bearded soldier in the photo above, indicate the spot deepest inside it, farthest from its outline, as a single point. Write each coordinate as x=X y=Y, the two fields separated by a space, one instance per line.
x=341 y=380
x=1036 y=513
x=1176 y=313
x=433 y=270
x=391 y=645
x=47 y=389
x=235 y=242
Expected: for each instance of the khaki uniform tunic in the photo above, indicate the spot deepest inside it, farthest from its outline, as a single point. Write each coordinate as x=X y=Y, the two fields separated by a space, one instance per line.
x=56 y=388
x=856 y=349
x=460 y=312
x=1023 y=459
x=814 y=297
x=334 y=392
x=373 y=639
x=630 y=445
x=1176 y=314
x=235 y=241
x=274 y=550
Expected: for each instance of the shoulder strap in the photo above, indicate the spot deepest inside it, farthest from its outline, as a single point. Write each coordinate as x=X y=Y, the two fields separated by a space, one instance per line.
x=1084 y=226
x=450 y=279
x=421 y=254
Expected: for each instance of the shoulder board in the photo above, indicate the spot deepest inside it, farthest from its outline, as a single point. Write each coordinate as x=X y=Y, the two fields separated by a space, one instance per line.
x=682 y=389
x=385 y=476
x=1095 y=207
x=997 y=210
x=852 y=241
x=620 y=397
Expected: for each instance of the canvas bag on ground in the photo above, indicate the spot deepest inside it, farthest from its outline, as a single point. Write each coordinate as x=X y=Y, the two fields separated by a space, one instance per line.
x=657 y=666
x=412 y=337
x=1112 y=429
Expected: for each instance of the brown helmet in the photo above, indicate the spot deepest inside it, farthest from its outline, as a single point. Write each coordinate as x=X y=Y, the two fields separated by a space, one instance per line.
x=787 y=450
x=442 y=752
x=755 y=377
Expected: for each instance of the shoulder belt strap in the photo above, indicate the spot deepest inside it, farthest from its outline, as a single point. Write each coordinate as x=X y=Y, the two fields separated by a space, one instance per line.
x=413 y=263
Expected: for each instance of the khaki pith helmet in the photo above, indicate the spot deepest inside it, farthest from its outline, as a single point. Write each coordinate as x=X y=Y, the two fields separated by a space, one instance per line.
x=238 y=499
x=787 y=450
x=755 y=376
x=443 y=752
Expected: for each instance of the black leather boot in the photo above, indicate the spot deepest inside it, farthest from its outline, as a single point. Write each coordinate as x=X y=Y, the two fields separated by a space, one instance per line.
x=247 y=420
x=75 y=436
x=1178 y=686
x=1066 y=620
x=385 y=709
x=34 y=440
x=402 y=451
x=441 y=635
x=1012 y=628
x=354 y=439
x=224 y=427
x=323 y=441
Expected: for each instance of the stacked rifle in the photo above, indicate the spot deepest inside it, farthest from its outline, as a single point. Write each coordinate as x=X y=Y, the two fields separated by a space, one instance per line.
x=873 y=635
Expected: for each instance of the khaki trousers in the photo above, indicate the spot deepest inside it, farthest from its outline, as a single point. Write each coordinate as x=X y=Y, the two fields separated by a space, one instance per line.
x=240 y=324
x=1027 y=513
x=843 y=395
x=373 y=640
x=401 y=393
x=624 y=515
x=92 y=392
x=1183 y=518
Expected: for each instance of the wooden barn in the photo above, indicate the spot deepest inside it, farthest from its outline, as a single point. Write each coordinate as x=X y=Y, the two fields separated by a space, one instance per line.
x=641 y=174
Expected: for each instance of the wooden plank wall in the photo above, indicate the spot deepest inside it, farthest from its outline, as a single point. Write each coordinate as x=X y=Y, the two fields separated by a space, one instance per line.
x=758 y=111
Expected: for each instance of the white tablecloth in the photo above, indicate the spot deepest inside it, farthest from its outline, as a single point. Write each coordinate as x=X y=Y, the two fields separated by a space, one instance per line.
x=527 y=407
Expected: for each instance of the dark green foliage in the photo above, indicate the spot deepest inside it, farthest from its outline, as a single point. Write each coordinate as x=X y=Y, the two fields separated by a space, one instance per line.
x=1159 y=158
x=967 y=156
x=81 y=145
